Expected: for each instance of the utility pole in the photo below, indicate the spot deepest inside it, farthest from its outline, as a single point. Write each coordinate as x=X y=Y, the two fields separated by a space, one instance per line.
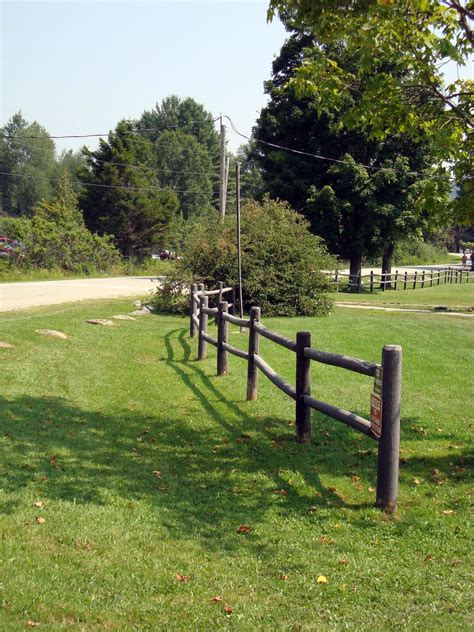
x=222 y=185
x=239 y=249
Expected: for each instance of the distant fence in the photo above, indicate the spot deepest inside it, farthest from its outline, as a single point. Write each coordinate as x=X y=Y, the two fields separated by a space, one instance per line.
x=401 y=280
x=384 y=426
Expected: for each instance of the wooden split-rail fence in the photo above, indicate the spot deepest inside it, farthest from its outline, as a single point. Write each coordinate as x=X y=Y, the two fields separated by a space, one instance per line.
x=401 y=280
x=384 y=427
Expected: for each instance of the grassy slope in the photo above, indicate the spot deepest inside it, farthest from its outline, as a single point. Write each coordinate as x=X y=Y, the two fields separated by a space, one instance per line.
x=85 y=423
x=451 y=295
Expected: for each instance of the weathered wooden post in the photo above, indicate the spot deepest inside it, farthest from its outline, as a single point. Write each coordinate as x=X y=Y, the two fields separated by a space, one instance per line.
x=202 y=344
x=383 y=281
x=371 y=280
x=336 y=279
x=414 y=281
x=389 y=442
x=254 y=347
x=222 y=337
x=431 y=278
x=405 y=279
x=303 y=387
x=192 y=311
x=220 y=287
x=423 y=279
x=396 y=279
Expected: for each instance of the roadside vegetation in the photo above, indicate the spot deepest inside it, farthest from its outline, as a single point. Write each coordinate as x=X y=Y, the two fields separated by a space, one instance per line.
x=128 y=469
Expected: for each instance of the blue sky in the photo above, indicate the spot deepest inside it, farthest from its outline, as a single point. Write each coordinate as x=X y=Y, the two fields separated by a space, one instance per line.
x=80 y=67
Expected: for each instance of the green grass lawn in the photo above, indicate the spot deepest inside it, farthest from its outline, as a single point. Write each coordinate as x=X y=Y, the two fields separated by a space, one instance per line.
x=146 y=464
x=450 y=295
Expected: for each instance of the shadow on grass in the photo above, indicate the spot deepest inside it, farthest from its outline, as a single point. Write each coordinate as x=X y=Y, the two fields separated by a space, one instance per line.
x=202 y=478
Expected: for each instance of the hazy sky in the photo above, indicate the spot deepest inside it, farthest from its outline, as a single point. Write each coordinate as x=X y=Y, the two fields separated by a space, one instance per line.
x=80 y=67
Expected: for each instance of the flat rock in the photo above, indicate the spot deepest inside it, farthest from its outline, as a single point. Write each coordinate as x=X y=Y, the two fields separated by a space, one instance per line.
x=123 y=317
x=6 y=345
x=52 y=332
x=141 y=312
x=99 y=321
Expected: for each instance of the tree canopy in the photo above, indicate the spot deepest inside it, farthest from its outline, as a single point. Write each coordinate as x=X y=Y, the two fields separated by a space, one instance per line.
x=403 y=47
x=125 y=199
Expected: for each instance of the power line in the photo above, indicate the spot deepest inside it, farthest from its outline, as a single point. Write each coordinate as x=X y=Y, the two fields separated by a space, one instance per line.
x=327 y=158
x=98 y=135
x=125 y=164
x=93 y=184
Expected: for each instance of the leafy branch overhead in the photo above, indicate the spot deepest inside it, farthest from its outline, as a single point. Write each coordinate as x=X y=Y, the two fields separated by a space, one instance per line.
x=402 y=50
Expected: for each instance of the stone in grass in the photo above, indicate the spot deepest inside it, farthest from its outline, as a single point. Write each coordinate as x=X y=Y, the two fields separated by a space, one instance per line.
x=123 y=317
x=6 y=345
x=53 y=333
x=141 y=312
x=99 y=321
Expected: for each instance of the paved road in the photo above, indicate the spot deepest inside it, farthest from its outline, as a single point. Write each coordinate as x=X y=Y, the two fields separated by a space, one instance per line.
x=31 y=294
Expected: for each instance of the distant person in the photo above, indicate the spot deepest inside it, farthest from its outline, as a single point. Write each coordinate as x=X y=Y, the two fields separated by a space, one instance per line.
x=464 y=260
x=472 y=260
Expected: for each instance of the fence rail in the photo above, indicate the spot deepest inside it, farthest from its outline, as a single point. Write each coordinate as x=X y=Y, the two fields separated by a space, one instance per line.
x=384 y=426
x=401 y=280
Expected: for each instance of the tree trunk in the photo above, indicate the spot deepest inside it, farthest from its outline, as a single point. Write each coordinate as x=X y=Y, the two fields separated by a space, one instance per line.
x=355 y=267
x=387 y=264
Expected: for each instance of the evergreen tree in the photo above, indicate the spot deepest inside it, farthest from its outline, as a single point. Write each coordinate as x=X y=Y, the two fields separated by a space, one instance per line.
x=127 y=201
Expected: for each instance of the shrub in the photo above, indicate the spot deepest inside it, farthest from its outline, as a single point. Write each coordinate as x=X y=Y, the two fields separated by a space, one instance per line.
x=412 y=252
x=281 y=261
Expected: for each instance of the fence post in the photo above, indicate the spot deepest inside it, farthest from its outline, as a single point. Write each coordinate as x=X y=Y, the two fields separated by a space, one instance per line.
x=254 y=347
x=423 y=279
x=336 y=279
x=303 y=387
x=383 y=280
x=202 y=344
x=222 y=336
x=192 y=311
x=439 y=277
x=389 y=443
x=396 y=279
x=220 y=287
x=371 y=280
x=359 y=283
x=414 y=281
x=405 y=279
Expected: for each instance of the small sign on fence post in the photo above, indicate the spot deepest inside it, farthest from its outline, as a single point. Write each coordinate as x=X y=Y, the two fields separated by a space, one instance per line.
x=376 y=405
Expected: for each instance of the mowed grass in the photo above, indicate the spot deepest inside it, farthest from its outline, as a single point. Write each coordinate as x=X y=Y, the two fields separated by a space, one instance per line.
x=146 y=464
x=450 y=295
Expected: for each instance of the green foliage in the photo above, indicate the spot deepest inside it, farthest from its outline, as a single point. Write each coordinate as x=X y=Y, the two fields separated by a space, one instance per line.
x=28 y=164
x=412 y=252
x=56 y=237
x=357 y=209
x=281 y=259
x=402 y=49
x=127 y=202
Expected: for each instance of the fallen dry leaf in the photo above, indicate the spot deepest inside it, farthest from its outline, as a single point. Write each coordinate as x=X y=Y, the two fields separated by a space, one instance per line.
x=183 y=578
x=284 y=577
x=342 y=562
x=455 y=563
x=313 y=509
x=228 y=609
x=280 y=492
x=38 y=503
x=324 y=539
x=371 y=490
x=40 y=520
x=416 y=481
x=32 y=624
x=217 y=598
x=428 y=558
x=322 y=579
x=448 y=512
x=244 y=529
x=157 y=473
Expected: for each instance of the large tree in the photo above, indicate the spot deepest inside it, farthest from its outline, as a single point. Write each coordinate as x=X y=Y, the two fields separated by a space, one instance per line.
x=367 y=193
x=122 y=195
x=403 y=47
x=27 y=163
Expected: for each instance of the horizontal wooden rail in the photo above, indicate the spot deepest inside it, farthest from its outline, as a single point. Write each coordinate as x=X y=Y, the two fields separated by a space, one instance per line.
x=209 y=310
x=342 y=361
x=274 y=337
x=209 y=339
x=350 y=419
x=273 y=376
x=234 y=320
x=212 y=292
x=240 y=353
